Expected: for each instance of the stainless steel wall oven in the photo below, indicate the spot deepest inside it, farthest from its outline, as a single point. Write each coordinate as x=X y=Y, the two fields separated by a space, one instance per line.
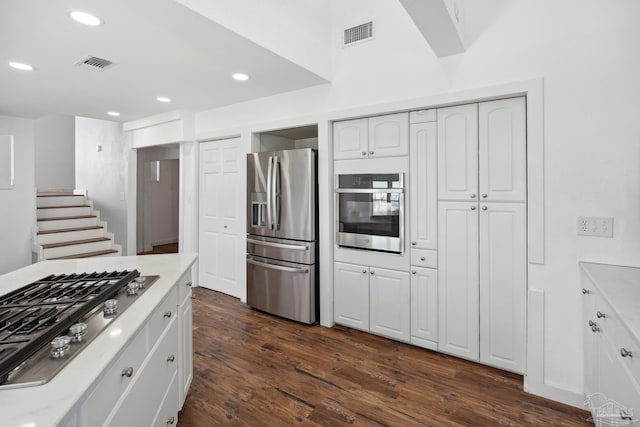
x=370 y=211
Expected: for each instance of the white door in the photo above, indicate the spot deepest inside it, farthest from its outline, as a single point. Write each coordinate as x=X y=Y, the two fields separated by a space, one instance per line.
x=389 y=135
x=424 y=307
x=390 y=303
x=502 y=150
x=423 y=185
x=458 y=153
x=221 y=242
x=503 y=285
x=350 y=139
x=351 y=295
x=458 y=298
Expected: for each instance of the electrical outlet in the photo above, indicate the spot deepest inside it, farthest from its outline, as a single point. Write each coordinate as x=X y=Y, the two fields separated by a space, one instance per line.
x=595 y=226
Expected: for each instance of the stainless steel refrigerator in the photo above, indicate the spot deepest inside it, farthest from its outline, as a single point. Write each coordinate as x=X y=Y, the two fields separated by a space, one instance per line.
x=282 y=229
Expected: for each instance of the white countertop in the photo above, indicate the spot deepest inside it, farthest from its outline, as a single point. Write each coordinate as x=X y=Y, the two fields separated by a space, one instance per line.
x=48 y=404
x=620 y=287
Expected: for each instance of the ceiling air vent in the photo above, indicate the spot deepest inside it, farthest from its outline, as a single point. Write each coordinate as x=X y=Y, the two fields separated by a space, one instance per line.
x=94 y=63
x=358 y=34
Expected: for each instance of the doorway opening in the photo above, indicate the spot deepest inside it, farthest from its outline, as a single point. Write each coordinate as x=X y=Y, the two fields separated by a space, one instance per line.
x=158 y=203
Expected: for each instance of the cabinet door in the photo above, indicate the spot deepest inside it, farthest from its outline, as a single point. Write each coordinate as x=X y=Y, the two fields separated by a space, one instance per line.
x=588 y=296
x=458 y=298
x=185 y=374
x=502 y=150
x=458 y=152
x=351 y=295
x=424 y=307
x=389 y=135
x=503 y=286
x=350 y=139
x=390 y=303
x=423 y=185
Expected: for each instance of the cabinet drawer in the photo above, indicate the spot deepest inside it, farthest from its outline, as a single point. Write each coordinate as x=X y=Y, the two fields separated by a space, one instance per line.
x=625 y=344
x=422 y=116
x=114 y=382
x=184 y=286
x=424 y=258
x=162 y=315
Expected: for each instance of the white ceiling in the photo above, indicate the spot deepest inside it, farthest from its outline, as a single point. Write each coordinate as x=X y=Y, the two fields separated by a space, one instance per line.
x=161 y=49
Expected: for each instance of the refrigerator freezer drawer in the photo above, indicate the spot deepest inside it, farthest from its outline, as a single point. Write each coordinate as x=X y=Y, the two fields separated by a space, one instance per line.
x=282 y=288
x=280 y=249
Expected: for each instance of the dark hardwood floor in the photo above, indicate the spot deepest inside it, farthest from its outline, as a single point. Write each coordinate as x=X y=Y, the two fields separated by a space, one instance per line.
x=254 y=369
x=169 y=248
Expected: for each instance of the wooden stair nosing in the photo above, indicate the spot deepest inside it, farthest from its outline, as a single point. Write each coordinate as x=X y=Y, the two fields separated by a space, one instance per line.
x=65 y=230
x=74 y=242
x=62 y=218
x=63 y=207
x=87 y=254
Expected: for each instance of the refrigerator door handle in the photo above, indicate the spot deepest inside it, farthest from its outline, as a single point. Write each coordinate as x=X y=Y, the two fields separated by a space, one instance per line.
x=276 y=192
x=269 y=192
x=278 y=267
x=279 y=245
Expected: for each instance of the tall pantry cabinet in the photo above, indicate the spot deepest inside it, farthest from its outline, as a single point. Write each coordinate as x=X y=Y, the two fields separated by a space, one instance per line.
x=482 y=275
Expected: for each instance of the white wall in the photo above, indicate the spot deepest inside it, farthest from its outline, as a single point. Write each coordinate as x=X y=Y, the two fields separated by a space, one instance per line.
x=586 y=51
x=104 y=173
x=55 y=152
x=17 y=205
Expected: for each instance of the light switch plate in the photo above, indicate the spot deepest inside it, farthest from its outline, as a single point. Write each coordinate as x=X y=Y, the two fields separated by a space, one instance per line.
x=595 y=226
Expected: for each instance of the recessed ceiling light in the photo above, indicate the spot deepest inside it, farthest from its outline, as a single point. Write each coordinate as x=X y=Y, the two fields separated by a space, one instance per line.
x=240 y=76
x=163 y=99
x=113 y=113
x=20 y=66
x=86 y=18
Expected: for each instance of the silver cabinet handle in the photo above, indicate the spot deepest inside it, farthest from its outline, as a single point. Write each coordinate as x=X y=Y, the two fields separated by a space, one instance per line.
x=364 y=153
x=168 y=314
x=484 y=195
x=484 y=208
x=600 y=315
x=472 y=195
x=171 y=358
x=585 y=291
x=279 y=245
x=591 y=323
x=625 y=353
x=277 y=267
x=171 y=420
x=414 y=272
x=127 y=372
x=371 y=152
x=371 y=272
x=413 y=243
x=423 y=258
x=189 y=284
x=364 y=271
x=595 y=328
x=224 y=226
x=473 y=208
x=625 y=414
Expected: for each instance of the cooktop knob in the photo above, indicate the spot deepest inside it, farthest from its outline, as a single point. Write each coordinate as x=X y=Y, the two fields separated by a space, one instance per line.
x=60 y=346
x=132 y=288
x=110 y=306
x=78 y=331
x=140 y=281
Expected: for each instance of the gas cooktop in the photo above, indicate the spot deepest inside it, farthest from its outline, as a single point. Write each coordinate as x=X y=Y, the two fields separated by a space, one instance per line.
x=45 y=324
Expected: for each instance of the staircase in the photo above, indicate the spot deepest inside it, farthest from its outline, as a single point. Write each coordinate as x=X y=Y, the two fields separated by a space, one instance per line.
x=68 y=227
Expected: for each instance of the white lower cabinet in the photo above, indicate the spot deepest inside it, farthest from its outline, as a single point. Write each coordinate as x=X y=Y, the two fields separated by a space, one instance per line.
x=372 y=299
x=185 y=338
x=424 y=307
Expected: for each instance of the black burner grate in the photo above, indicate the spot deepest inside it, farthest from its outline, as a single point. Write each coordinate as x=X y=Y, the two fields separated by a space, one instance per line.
x=33 y=315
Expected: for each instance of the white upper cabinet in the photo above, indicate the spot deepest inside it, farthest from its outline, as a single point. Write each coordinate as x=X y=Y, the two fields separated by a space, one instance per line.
x=458 y=153
x=380 y=136
x=351 y=139
x=389 y=135
x=502 y=150
x=423 y=185
x=503 y=285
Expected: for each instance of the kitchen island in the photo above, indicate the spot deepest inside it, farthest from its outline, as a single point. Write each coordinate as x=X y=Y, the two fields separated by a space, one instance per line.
x=135 y=372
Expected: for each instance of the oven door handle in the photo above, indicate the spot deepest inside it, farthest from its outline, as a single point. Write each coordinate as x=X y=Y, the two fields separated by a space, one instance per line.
x=279 y=245
x=277 y=267
x=370 y=190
